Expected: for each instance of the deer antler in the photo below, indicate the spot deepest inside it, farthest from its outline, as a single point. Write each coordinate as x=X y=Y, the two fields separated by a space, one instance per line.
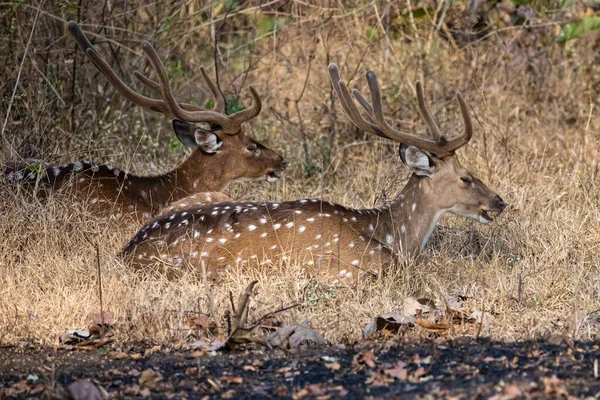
x=168 y=105
x=437 y=144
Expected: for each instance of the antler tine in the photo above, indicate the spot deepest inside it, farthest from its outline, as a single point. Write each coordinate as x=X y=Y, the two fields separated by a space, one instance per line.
x=458 y=142
x=250 y=112
x=149 y=83
x=364 y=103
x=191 y=116
x=216 y=93
x=113 y=78
x=155 y=86
x=394 y=134
x=434 y=129
x=348 y=105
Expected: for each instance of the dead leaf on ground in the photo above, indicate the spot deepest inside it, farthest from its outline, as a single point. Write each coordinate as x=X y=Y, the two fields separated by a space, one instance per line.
x=292 y=337
x=150 y=379
x=510 y=392
x=413 y=306
x=94 y=338
x=151 y=350
x=554 y=387
x=365 y=358
x=83 y=389
x=439 y=328
x=313 y=390
x=399 y=371
x=484 y=318
x=391 y=323
x=232 y=379
x=204 y=322
x=378 y=378
x=334 y=366
x=118 y=355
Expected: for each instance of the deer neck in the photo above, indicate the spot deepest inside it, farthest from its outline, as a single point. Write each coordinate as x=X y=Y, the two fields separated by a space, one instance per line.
x=198 y=173
x=410 y=219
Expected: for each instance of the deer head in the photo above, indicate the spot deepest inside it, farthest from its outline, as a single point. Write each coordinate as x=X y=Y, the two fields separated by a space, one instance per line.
x=432 y=158
x=234 y=155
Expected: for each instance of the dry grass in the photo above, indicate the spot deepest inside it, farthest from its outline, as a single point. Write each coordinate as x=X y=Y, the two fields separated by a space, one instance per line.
x=536 y=145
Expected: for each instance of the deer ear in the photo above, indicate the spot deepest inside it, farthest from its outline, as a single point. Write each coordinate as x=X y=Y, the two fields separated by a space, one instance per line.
x=185 y=133
x=192 y=136
x=208 y=141
x=415 y=159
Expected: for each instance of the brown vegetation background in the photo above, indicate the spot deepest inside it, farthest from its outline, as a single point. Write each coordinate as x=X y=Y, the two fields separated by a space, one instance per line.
x=533 y=97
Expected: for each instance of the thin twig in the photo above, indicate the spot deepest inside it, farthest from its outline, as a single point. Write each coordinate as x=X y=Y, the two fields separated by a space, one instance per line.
x=259 y=321
x=99 y=284
x=12 y=97
x=211 y=304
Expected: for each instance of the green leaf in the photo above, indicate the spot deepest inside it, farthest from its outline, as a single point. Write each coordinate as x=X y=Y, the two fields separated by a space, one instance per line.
x=210 y=103
x=175 y=144
x=233 y=105
x=269 y=24
x=579 y=28
x=372 y=33
x=174 y=68
x=565 y=4
x=15 y=5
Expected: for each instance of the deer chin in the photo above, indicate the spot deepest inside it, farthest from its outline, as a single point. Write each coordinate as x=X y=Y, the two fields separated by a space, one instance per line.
x=273 y=176
x=484 y=217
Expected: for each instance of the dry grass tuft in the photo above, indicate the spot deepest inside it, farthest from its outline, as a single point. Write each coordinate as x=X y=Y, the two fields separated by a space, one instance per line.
x=536 y=268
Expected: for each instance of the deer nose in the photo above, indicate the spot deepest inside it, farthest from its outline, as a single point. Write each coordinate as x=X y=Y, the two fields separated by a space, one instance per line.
x=500 y=203
x=283 y=163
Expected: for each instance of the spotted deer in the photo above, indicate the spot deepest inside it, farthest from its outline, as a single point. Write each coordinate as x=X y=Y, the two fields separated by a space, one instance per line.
x=222 y=153
x=328 y=237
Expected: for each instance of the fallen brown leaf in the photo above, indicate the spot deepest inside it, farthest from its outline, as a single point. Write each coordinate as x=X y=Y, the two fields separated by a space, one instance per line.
x=232 y=379
x=399 y=371
x=150 y=379
x=83 y=389
x=440 y=328
x=554 y=387
x=204 y=322
x=334 y=366
x=118 y=355
x=367 y=358
x=377 y=378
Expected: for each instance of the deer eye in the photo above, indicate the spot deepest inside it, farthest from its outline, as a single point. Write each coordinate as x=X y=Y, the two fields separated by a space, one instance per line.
x=467 y=180
x=252 y=148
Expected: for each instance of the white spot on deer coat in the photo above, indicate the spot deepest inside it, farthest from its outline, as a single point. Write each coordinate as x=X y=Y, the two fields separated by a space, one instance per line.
x=251 y=227
x=301 y=229
x=289 y=224
x=389 y=239
x=413 y=207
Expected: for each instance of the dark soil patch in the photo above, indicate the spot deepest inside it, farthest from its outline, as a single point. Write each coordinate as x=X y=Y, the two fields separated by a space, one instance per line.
x=466 y=368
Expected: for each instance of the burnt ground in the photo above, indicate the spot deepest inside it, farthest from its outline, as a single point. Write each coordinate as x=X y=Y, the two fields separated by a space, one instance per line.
x=462 y=368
